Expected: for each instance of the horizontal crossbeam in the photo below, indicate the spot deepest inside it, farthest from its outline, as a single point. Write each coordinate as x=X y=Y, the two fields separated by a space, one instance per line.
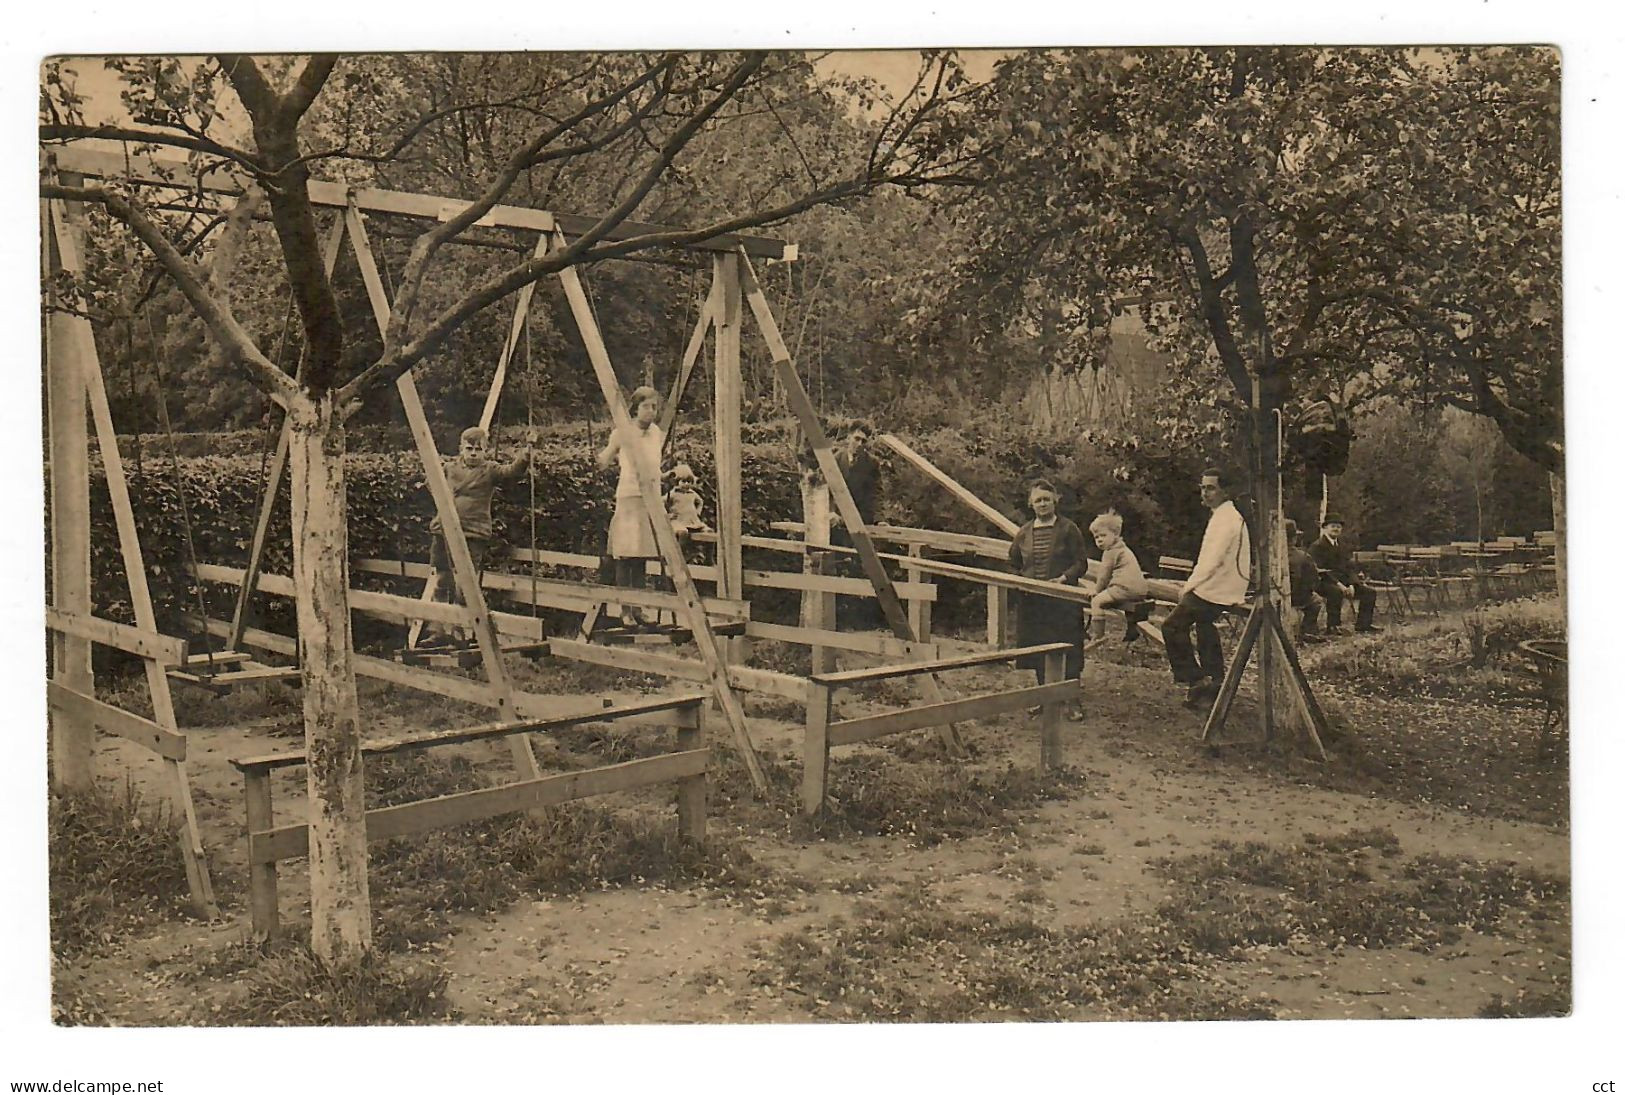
x=487 y=731
x=161 y=648
x=292 y=841
x=940 y=714
x=144 y=168
x=959 y=661
x=115 y=720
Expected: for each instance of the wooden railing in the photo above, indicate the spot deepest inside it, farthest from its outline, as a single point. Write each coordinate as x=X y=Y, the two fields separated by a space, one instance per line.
x=269 y=843
x=822 y=734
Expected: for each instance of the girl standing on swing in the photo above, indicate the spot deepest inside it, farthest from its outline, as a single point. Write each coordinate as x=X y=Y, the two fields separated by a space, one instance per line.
x=631 y=536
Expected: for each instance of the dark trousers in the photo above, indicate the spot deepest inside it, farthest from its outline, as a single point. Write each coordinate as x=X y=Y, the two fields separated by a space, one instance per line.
x=1207 y=658
x=479 y=550
x=1310 y=607
x=1365 y=600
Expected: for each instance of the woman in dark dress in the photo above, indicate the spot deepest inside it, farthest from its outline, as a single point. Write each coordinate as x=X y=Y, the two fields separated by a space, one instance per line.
x=1050 y=548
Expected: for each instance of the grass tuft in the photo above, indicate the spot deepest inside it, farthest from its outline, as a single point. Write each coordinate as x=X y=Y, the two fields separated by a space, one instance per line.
x=930 y=803
x=289 y=986
x=116 y=866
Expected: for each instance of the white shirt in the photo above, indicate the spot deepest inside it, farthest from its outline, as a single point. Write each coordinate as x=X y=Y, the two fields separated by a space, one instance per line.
x=649 y=442
x=1225 y=563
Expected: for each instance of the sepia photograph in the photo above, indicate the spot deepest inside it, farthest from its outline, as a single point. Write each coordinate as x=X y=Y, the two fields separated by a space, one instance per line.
x=1060 y=534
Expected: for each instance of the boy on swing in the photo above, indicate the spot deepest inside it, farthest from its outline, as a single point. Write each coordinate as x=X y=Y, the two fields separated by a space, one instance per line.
x=474 y=478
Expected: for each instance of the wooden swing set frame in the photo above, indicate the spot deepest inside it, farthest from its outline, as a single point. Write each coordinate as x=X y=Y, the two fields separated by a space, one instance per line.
x=74 y=373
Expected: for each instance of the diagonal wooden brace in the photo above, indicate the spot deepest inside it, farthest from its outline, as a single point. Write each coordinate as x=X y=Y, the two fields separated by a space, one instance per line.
x=665 y=538
x=840 y=493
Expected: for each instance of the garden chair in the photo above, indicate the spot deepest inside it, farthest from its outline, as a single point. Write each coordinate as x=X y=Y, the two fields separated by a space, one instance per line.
x=1547 y=660
x=1379 y=576
x=1424 y=576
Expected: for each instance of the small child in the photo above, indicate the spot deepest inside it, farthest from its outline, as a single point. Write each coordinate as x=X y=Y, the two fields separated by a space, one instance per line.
x=683 y=505
x=474 y=478
x=1121 y=584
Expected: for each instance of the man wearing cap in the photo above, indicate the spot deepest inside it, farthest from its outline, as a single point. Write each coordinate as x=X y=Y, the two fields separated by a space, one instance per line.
x=1217 y=581
x=1338 y=580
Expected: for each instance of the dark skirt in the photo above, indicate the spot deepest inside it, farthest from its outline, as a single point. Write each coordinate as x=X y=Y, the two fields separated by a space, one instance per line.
x=1049 y=620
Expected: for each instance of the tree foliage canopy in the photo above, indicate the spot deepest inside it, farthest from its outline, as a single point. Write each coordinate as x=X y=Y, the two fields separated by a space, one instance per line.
x=1372 y=221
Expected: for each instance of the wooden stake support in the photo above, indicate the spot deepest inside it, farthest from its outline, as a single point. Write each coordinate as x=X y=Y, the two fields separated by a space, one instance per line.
x=840 y=493
x=462 y=563
x=73 y=349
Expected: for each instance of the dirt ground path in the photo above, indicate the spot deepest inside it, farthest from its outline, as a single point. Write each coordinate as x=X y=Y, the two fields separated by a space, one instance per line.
x=635 y=956
x=688 y=954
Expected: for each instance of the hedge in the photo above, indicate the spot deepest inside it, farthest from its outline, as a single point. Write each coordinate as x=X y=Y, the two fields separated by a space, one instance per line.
x=390 y=508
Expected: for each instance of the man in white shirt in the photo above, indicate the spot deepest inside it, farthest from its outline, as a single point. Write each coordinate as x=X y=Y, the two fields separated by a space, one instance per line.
x=1218 y=580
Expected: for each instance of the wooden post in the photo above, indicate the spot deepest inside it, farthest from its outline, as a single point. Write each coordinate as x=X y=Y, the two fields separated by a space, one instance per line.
x=885 y=592
x=729 y=395
x=691 y=792
x=998 y=616
x=1049 y=748
x=817 y=607
x=462 y=563
x=135 y=572
x=262 y=888
x=919 y=609
x=815 y=749
x=66 y=337
x=685 y=368
x=931 y=471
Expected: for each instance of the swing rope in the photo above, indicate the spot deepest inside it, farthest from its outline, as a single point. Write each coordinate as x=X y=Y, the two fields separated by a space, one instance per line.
x=180 y=491
x=530 y=467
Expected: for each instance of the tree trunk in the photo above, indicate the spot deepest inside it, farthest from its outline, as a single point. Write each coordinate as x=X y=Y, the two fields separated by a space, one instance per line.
x=340 y=908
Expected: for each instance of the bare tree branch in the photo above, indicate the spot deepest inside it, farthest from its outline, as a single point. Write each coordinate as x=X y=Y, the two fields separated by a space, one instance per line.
x=192 y=282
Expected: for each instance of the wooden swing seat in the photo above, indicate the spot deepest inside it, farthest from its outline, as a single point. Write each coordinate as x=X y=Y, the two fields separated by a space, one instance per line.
x=223 y=671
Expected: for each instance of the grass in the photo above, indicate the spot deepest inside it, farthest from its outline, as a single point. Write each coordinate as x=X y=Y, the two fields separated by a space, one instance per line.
x=1472 y=657
x=1411 y=720
x=289 y=986
x=928 y=803
x=419 y=884
x=115 y=867
x=1347 y=890
x=911 y=958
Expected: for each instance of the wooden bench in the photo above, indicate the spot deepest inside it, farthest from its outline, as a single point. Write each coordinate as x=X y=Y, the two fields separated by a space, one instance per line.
x=269 y=843
x=822 y=734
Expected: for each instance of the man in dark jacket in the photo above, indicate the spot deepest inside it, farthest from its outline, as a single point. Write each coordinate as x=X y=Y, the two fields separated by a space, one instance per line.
x=1305 y=578
x=1338 y=579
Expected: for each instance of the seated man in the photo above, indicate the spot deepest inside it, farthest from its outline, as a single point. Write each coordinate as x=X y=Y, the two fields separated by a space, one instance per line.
x=1338 y=579
x=1217 y=581
x=1305 y=577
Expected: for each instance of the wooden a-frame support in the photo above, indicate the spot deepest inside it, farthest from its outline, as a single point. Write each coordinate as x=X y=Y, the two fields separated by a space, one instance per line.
x=74 y=379
x=1264 y=633
x=462 y=563
x=671 y=553
x=841 y=494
